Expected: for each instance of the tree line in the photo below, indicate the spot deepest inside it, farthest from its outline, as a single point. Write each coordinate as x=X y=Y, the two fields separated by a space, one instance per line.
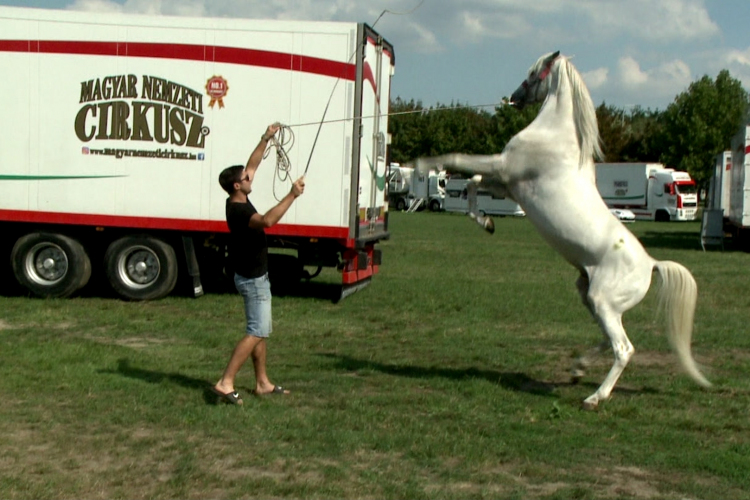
x=687 y=135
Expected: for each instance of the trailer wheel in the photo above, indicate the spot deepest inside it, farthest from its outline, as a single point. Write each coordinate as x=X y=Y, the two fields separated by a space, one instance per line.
x=284 y=272
x=141 y=267
x=661 y=216
x=50 y=265
x=434 y=206
x=401 y=205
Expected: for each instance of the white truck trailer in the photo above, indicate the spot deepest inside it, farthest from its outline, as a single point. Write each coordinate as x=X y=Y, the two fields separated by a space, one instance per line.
x=738 y=217
x=719 y=187
x=115 y=129
x=457 y=200
x=649 y=190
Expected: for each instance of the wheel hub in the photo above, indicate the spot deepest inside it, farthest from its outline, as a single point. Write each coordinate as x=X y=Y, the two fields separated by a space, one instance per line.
x=46 y=264
x=140 y=267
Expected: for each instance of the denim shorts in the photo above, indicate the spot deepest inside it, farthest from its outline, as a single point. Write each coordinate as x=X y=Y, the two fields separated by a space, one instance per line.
x=256 y=293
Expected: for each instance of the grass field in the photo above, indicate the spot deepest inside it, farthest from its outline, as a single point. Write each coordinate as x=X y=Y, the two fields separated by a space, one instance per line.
x=446 y=378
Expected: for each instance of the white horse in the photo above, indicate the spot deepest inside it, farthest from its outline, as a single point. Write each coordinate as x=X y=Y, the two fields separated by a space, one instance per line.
x=548 y=169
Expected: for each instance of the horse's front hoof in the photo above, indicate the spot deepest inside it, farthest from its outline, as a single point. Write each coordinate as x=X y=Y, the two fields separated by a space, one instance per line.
x=590 y=405
x=489 y=225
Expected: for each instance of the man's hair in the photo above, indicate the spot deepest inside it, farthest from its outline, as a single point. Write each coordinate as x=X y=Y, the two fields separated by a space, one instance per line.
x=229 y=176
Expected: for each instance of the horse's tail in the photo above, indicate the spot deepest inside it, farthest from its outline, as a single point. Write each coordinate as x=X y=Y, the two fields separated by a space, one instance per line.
x=677 y=297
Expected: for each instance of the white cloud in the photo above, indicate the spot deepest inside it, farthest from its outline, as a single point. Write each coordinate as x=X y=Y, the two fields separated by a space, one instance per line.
x=737 y=61
x=665 y=20
x=96 y=6
x=631 y=83
x=148 y=7
x=418 y=38
x=671 y=76
x=738 y=57
x=474 y=21
x=596 y=78
x=630 y=74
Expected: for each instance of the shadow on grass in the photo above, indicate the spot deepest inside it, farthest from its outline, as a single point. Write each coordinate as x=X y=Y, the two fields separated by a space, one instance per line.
x=329 y=292
x=678 y=240
x=513 y=381
x=157 y=377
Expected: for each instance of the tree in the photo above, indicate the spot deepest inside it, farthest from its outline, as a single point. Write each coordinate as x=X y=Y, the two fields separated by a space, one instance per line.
x=507 y=122
x=700 y=124
x=628 y=137
x=612 y=129
x=417 y=131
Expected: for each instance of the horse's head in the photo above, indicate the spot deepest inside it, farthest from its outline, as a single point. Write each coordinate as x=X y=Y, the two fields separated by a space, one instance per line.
x=534 y=89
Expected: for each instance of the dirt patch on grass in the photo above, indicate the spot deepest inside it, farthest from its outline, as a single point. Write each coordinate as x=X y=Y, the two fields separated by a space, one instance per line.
x=630 y=482
x=132 y=342
x=62 y=325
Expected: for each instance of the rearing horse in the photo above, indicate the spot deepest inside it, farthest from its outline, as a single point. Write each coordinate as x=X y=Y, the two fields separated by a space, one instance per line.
x=548 y=169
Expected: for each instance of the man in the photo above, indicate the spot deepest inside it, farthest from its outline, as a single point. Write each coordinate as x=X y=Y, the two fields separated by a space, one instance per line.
x=248 y=255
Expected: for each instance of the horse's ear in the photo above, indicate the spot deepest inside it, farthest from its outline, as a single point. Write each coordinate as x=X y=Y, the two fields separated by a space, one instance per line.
x=554 y=56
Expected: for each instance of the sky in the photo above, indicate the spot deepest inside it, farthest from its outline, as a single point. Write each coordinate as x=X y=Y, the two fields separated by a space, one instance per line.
x=475 y=52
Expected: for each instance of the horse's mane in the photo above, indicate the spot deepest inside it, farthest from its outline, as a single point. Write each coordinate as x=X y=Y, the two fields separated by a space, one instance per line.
x=584 y=112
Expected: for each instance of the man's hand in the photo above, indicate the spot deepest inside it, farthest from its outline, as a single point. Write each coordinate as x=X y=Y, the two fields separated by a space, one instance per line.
x=298 y=187
x=271 y=131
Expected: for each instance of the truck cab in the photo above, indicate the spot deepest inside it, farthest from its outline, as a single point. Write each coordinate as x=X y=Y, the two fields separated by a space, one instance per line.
x=673 y=196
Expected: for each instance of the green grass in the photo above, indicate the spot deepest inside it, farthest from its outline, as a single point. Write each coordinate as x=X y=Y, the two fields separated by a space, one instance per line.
x=446 y=378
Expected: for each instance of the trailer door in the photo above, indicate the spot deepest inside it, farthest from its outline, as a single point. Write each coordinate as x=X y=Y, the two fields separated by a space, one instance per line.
x=372 y=101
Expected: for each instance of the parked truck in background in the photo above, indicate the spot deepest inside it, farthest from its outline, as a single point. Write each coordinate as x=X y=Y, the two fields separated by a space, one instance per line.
x=649 y=190
x=115 y=129
x=399 y=186
x=412 y=191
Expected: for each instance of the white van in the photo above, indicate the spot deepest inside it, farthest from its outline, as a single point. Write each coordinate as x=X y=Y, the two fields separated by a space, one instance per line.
x=457 y=200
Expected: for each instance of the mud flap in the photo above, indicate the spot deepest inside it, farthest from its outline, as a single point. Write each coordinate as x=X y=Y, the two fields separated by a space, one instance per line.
x=192 y=265
x=347 y=290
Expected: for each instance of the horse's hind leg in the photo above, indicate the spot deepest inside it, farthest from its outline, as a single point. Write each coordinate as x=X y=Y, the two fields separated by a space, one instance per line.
x=583 y=361
x=611 y=324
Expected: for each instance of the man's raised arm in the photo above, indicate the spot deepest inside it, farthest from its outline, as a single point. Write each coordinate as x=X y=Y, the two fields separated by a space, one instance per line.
x=257 y=155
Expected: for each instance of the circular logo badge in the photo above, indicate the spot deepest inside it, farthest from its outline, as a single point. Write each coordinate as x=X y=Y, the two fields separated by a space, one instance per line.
x=216 y=88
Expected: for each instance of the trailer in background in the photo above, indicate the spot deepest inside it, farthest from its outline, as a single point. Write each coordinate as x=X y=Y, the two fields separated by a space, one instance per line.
x=649 y=190
x=738 y=218
x=117 y=126
x=720 y=184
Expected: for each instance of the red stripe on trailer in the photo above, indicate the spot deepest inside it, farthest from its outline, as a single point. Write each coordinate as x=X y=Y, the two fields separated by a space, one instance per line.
x=187 y=52
x=368 y=76
x=197 y=225
x=341 y=233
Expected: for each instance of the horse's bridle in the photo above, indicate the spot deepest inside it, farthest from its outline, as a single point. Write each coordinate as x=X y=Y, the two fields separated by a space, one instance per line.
x=518 y=99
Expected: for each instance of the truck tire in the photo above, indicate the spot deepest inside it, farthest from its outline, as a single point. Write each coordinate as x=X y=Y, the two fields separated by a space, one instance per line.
x=434 y=206
x=284 y=272
x=401 y=205
x=661 y=216
x=50 y=265
x=141 y=267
